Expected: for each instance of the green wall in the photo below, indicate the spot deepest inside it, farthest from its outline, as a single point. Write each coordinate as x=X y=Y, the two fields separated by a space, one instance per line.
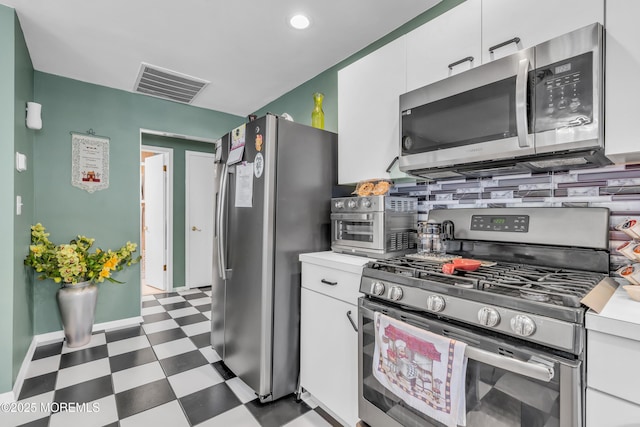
x=16 y=88
x=179 y=147
x=299 y=102
x=111 y=216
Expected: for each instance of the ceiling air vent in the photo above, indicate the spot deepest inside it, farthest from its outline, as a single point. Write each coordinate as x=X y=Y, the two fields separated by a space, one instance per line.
x=168 y=84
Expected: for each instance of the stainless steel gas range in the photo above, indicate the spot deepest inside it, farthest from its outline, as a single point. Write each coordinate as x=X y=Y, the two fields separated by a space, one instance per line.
x=519 y=313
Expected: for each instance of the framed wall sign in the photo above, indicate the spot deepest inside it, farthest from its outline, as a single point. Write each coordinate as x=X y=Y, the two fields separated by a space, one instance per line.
x=89 y=162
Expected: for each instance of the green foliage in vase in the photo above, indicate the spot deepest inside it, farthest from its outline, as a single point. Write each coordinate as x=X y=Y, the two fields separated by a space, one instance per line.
x=75 y=262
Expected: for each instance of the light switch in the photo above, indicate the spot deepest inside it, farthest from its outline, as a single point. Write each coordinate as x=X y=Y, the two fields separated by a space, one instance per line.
x=19 y=205
x=21 y=162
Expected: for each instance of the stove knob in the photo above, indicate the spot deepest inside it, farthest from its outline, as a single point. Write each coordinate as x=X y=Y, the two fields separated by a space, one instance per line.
x=488 y=316
x=395 y=293
x=353 y=204
x=435 y=303
x=339 y=204
x=523 y=325
x=366 y=203
x=377 y=288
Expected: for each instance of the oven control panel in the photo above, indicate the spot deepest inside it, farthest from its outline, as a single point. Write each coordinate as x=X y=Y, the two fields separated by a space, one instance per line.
x=510 y=223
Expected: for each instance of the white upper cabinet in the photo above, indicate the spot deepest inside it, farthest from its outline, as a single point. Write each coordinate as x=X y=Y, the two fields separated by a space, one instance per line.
x=434 y=48
x=533 y=22
x=622 y=110
x=369 y=113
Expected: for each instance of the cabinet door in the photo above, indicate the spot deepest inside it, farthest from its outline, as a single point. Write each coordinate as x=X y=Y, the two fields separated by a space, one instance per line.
x=445 y=40
x=329 y=354
x=604 y=410
x=533 y=21
x=622 y=108
x=369 y=113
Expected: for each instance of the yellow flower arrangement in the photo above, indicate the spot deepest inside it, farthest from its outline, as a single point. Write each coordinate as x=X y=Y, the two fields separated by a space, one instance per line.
x=74 y=262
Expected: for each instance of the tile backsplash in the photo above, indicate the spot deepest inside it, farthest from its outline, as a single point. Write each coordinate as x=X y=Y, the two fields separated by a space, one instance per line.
x=615 y=187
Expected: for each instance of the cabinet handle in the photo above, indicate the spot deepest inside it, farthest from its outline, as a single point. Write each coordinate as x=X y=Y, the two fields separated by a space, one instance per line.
x=326 y=282
x=515 y=40
x=463 y=60
x=353 y=324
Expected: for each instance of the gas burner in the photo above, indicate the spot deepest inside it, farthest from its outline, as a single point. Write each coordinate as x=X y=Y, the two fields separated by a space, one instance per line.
x=534 y=296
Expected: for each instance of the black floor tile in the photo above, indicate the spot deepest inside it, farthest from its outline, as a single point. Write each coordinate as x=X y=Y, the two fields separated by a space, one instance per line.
x=188 y=320
x=202 y=340
x=47 y=350
x=223 y=370
x=151 y=303
x=165 y=336
x=87 y=391
x=156 y=317
x=199 y=295
x=42 y=422
x=176 y=305
x=116 y=424
x=147 y=396
x=278 y=413
x=123 y=334
x=202 y=308
x=207 y=403
x=37 y=385
x=183 y=362
x=131 y=359
x=83 y=356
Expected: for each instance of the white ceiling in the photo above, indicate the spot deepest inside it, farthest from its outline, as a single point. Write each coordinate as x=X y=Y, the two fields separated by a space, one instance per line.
x=244 y=48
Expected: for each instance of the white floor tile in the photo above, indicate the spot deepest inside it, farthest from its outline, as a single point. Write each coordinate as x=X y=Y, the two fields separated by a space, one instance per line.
x=152 y=310
x=43 y=366
x=169 y=414
x=241 y=389
x=127 y=345
x=163 y=325
x=210 y=354
x=137 y=376
x=189 y=292
x=197 y=328
x=96 y=340
x=200 y=301
x=181 y=312
x=83 y=372
x=173 y=348
x=309 y=419
x=238 y=416
x=194 y=380
x=19 y=418
x=170 y=300
x=97 y=413
x=147 y=298
x=207 y=314
x=207 y=293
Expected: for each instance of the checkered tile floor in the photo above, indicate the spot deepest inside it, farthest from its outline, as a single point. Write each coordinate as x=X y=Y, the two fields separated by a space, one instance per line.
x=161 y=373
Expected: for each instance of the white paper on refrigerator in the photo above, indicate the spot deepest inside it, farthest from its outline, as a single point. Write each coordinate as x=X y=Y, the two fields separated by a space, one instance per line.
x=244 y=185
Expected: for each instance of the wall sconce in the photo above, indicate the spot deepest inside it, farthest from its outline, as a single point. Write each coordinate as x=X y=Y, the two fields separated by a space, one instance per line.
x=34 y=120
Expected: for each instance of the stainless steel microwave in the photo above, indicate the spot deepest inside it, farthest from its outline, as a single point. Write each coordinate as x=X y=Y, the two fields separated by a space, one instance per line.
x=538 y=109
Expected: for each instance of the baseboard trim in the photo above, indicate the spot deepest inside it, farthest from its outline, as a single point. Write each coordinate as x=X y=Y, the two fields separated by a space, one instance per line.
x=57 y=336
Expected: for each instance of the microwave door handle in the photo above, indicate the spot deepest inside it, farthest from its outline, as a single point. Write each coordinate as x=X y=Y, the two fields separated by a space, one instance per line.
x=529 y=369
x=220 y=226
x=521 y=103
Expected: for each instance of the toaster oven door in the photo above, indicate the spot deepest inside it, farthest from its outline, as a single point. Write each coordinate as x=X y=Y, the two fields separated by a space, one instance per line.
x=358 y=231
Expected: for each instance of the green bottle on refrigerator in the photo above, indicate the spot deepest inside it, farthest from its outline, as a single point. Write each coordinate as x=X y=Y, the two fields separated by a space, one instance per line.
x=317 y=115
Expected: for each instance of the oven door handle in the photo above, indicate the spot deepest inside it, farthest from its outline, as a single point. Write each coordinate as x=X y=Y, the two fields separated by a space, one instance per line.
x=529 y=369
x=352 y=217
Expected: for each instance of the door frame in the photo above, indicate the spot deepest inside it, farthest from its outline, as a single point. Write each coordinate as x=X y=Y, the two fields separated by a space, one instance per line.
x=187 y=205
x=168 y=152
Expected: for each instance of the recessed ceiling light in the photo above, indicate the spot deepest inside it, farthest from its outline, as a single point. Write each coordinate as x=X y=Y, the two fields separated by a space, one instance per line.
x=299 y=22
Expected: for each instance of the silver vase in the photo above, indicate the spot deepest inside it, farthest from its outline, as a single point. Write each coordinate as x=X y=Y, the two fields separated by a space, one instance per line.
x=77 y=304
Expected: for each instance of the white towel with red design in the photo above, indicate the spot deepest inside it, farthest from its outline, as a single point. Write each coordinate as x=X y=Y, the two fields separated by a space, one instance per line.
x=425 y=370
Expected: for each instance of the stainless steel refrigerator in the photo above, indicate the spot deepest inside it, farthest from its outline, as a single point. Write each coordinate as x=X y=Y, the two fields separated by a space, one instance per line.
x=273 y=205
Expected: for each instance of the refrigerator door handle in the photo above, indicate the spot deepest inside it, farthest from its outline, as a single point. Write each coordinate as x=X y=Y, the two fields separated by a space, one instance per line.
x=220 y=229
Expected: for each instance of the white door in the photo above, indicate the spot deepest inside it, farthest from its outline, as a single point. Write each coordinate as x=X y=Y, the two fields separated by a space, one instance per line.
x=155 y=221
x=200 y=190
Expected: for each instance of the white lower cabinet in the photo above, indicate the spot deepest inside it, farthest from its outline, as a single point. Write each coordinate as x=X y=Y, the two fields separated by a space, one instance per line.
x=604 y=410
x=328 y=339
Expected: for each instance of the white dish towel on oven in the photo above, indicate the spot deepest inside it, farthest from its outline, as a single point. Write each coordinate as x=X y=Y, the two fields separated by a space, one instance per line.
x=425 y=370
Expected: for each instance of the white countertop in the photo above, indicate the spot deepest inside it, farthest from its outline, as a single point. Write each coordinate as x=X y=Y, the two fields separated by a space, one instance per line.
x=621 y=317
x=350 y=263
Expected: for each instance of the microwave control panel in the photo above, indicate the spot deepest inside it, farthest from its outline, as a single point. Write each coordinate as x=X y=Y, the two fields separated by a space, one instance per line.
x=510 y=223
x=563 y=93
